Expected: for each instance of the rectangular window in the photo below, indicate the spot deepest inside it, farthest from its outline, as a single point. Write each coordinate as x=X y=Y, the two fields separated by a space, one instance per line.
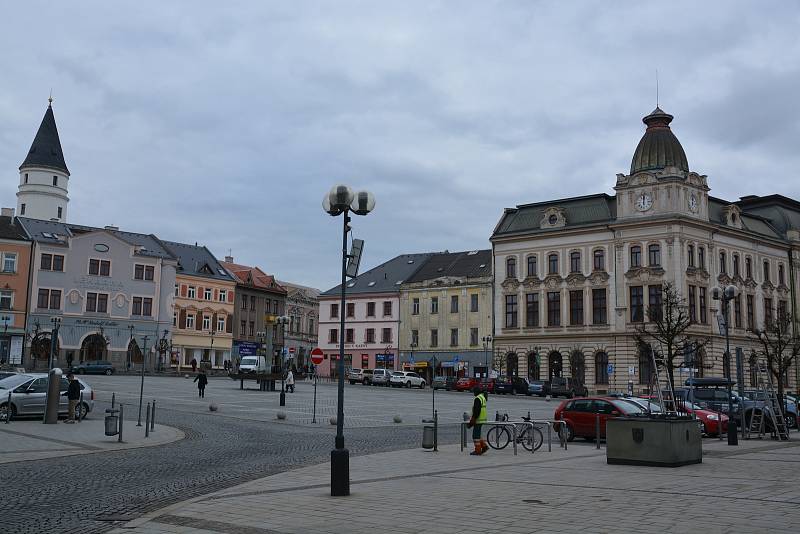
x=55 y=299
x=767 y=312
x=723 y=262
x=190 y=321
x=60 y=212
x=751 y=312
x=766 y=271
x=703 y=314
x=244 y=302
x=334 y=311
x=46 y=262
x=782 y=310
x=253 y=303
x=552 y=264
x=434 y=305
x=692 y=304
x=454 y=337
x=599 y=306
x=192 y=292
x=370 y=309
x=599 y=260
x=735 y=265
x=473 y=336
x=532 y=268
x=6 y=300
x=454 y=304
x=636 y=256
x=511 y=268
x=138 y=272
x=511 y=311
x=369 y=335
x=690 y=255
x=654 y=255
x=701 y=257
x=576 y=307
x=206 y=322
x=387 y=308
x=207 y=293
x=136 y=308
x=252 y=327
x=58 y=262
x=9 y=262
x=91 y=302
x=55 y=181
x=175 y=319
x=434 y=337
x=100 y=267
x=654 y=302
x=637 y=304
x=102 y=303
x=473 y=302
x=415 y=306
x=243 y=328
x=149 y=272
x=553 y=308
x=575 y=262
x=737 y=311
x=333 y=335
x=748 y=268
x=43 y=301
x=223 y=295
x=22 y=206
x=147 y=306
x=780 y=274
x=386 y=335
x=351 y=309
x=415 y=338
x=349 y=335
x=532 y=309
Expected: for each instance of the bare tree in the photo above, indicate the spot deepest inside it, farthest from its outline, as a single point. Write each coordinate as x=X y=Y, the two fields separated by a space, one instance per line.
x=667 y=328
x=779 y=347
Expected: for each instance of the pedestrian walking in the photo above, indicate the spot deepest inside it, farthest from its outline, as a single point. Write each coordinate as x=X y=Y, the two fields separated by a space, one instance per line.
x=194 y=365
x=477 y=420
x=73 y=396
x=290 y=380
x=201 y=380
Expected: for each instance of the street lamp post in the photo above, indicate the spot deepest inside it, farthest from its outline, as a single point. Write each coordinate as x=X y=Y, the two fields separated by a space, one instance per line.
x=141 y=385
x=725 y=296
x=3 y=358
x=341 y=200
x=48 y=416
x=486 y=340
x=280 y=321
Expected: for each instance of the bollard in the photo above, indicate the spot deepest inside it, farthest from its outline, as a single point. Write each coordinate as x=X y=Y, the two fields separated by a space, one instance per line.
x=79 y=408
x=113 y=398
x=8 y=408
x=121 y=414
x=435 y=431
x=549 y=437
x=597 y=429
x=153 y=417
x=147 y=422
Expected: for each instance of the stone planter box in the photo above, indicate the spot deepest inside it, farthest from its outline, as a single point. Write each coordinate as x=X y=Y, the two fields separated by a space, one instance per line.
x=653 y=441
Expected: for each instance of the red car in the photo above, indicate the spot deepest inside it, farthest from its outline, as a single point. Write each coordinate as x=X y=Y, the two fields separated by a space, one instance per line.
x=709 y=419
x=487 y=384
x=580 y=414
x=467 y=383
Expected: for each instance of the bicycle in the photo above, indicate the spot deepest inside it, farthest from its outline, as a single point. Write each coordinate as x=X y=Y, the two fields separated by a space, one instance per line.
x=498 y=437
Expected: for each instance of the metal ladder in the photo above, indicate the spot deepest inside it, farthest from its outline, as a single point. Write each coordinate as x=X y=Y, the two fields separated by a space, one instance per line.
x=664 y=390
x=766 y=394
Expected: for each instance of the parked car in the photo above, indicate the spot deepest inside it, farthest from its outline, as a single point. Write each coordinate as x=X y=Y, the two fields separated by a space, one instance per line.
x=366 y=376
x=406 y=379
x=487 y=384
x=467 y=383
x=444 y=382
x=96 y=367
x=709 y=421
x=503 y=385
x=254 y=364
x=355 y=375
x=567 y=387
x=538 y=387
x=6 y=374
x=380 y=377
x=28 y=392
x=648 y=404
x=789 y=407
x=579 y=415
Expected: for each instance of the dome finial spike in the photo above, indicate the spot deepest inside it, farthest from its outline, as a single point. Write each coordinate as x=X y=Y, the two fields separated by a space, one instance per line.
x=50 y=99
x=657 y=88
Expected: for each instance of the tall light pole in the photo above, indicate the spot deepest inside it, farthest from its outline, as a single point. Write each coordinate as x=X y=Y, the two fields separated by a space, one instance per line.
x=5 y=320
x=486 y=340
x=141 y=385
x=725 y=296
x=279 y=322
x=341 y=200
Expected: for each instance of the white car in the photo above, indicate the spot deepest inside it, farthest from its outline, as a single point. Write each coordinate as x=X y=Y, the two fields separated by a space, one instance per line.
x=407 y=379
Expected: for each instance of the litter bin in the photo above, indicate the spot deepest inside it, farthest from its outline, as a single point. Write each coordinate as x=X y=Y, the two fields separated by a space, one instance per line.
x=112 y=422
x=427 y=435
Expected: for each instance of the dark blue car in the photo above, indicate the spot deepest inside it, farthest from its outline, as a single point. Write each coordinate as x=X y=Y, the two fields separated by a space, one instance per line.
x=97 y=367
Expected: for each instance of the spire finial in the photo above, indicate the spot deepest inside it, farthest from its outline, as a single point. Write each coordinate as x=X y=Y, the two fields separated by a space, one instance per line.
x=50 y=99
x=656 y=87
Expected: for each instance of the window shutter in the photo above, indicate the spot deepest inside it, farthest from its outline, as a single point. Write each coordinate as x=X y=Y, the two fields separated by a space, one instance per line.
x=182 y=319
x=198 y=320
x=229 y=324
x=199 y=294
x=213 y=322
x=216 y=295
x=183 y=290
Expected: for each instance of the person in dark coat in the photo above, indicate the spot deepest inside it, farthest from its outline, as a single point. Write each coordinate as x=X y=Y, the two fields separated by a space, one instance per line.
x=194 y=365
x=201 y=380
x=73 y=396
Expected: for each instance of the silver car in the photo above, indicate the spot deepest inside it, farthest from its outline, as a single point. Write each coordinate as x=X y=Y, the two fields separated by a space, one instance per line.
x=28 y=392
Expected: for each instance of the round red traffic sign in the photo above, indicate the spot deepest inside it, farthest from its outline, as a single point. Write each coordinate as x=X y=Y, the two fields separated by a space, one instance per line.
x=316 y=356
x=291 y=350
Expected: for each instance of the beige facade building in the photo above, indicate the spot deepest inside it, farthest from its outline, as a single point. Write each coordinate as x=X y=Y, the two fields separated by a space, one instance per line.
x=574 y=277
x=445 y=314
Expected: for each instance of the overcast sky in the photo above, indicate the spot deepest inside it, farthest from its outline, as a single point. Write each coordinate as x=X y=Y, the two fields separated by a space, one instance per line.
x=226 y=122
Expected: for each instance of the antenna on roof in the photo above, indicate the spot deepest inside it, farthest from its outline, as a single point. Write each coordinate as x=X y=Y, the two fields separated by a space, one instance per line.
x=50 y=99
x=656 y=87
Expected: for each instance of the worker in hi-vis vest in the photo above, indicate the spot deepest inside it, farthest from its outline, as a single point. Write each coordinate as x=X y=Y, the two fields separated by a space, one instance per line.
x=477 y=420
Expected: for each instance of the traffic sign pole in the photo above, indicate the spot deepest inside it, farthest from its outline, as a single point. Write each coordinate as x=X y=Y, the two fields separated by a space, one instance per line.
x=316 y=359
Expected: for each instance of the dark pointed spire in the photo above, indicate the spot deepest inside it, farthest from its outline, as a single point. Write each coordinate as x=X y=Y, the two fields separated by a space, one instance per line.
x=46 y=148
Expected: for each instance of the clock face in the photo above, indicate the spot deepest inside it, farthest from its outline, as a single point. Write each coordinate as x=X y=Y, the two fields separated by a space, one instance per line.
x=644 y=202
x=693 y=202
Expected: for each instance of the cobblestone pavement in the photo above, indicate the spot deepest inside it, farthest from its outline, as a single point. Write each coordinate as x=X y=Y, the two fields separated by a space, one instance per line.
x=84 y=493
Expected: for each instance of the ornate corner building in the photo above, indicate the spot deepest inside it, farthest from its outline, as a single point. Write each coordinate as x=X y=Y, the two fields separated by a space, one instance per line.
x=573 y=277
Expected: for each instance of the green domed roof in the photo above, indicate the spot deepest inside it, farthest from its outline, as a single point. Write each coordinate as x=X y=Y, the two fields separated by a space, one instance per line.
x=658 y=147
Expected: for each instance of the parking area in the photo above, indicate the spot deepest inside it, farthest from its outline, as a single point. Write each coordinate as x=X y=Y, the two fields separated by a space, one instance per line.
x=365 y=406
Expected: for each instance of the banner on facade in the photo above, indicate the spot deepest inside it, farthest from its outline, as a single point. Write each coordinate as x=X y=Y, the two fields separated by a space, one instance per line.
x=15 y=352
x=247 y=348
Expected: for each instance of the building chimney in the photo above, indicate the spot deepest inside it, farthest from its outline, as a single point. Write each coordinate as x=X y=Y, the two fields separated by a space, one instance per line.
x=229 y=259
x=8 y=212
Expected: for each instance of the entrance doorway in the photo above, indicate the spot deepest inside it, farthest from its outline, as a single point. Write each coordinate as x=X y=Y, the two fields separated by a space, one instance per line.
x=94 y=347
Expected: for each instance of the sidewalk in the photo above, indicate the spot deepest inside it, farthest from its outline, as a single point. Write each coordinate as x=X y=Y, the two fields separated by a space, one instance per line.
x=751 y=488
x=33 y=440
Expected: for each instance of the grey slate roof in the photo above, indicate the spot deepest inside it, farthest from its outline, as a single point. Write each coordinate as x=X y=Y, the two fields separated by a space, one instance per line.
x=384 y=278
x=54 y=233
x=590 y=209
x=751 y=222
x=197 y=260
x=469 y=264
x=658 y=147
x=46 y=148
x=782 y=212
x=10 y=229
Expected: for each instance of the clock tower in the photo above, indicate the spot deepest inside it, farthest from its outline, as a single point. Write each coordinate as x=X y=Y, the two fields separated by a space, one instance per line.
x=660 y=182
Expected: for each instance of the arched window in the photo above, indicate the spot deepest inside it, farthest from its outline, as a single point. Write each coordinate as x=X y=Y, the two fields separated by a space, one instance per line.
x=654 y=256
x=735 y=265
x=554 y=364
x=690 y=255
x=534 y=372
x=780 y=274
x=552 y=264
x=701 y=257
x=601 y=368
x=723 y=262
x=511 y=268
x=748 y=268
x=636 y=256
x=512 y=366
x=599 y=260
x=575 y=262
x=577 y=366
x=532 y=268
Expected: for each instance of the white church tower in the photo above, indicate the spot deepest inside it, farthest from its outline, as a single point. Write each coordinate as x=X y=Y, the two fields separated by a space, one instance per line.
x=43 y=176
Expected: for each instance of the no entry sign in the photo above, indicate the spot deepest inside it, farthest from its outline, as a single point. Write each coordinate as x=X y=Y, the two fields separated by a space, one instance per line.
x=316 y=356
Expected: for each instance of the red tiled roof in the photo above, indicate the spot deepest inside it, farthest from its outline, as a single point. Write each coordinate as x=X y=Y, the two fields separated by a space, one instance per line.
x=253 y=277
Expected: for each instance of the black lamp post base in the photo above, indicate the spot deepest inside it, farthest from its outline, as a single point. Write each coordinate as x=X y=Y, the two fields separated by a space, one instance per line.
x=340 y=472
x=283 y=399
x=733 y=433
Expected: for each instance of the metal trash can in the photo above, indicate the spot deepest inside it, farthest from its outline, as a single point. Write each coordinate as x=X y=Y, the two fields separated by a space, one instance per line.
x=427 y=436
x=112 y=422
